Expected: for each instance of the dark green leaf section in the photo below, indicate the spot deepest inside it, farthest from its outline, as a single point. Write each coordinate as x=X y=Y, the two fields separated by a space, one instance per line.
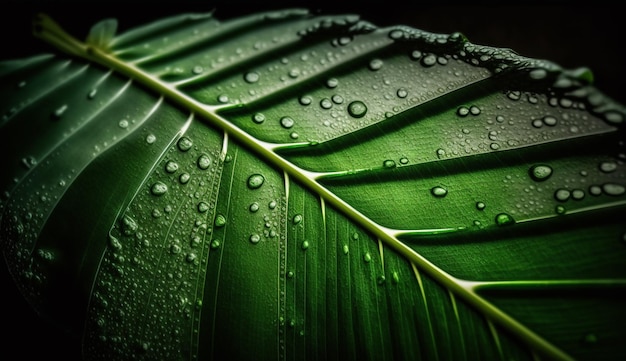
x=160 y=236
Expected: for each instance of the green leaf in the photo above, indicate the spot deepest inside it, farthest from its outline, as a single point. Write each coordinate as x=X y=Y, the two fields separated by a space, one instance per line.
x=284 y=185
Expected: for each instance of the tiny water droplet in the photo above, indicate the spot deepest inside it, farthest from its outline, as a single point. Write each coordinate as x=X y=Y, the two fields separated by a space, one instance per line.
x=204 y=161
x=480 y=206
x=223 y=98
x=215 y=243
x=297 y=219
x=440 y=153
x=175 y=248
x=184 y=178
x=254 y=207
x=404 y=160
x=150 y=138
x=367 y=257
x=171 y=167
x=251 y=77
x=258 y=118
x=562 y=195
x=287 y=122
x=504 y=219
x=158 y=189
x=395 y=277
x=337 y=99
x=123 y=124
x=92 y=93
x=375 y=64
x=220 y=220
x=474 y=110
x=537 y=123
x=415 y=55
x=439 y=191
x=305 y=245
x=196 y=70
x=184 y=144
x=388 y=164
x=540 y=172
x=380 y=279
x=559 y=210
x=255 y=181
x=326 y=103
x=190 y=257
x=346 y=249
x=357 y=109
x=255 y=238
x=272 y=205
x=58 y=113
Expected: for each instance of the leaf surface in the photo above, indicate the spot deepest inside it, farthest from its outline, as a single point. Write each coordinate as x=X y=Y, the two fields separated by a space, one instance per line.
x=290 y=186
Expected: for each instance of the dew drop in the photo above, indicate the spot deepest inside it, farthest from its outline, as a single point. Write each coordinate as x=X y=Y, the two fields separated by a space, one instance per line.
x=58 y=113
x=287 y=122
x=297 y=219
x=254 y=207
x=197 y=70
x=305 y=245
x=429 y=60
x=480 y=206
x=258 y=118
x=395 y=277
x=171 y=166
x=562 y=195
x=215 y=243
x=389 y=164
x=578 y=194
x=332 y=83
x=537 y=123
x=255 y=238
x=305 y=100
x=549 y=120
x=357 y=109
x=203 y=207
x=504 y=219
x=559 y=210
x=204 y=161
x=462 y=111
x=440 y=153
x=404 y=160
x=255 y=181
x=375 y=64
x=337 y=99
x=595 y=190
x=346 y=249
x=272 y=205
x=439 y=191
x=223 y=98
x=494 y=146
x=367 y=257
x=474 y=110
x=92 y=93
x=191 y=257
x=380 y=279
x=608 y=167
x=150 y=138
x=175 y=248
x=613 y=189
x=129 y=225
x=326 y=103
x=184 y=144
x=415 y=55
x=158 y=189
x=123 y=124
x=184 y=178
x=251 y=77
x=402 y=93
x=220 y=221
x=540 y=172
x=115 y=243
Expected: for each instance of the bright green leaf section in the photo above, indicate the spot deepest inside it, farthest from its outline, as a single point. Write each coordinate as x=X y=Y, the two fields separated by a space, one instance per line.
x=285 y=186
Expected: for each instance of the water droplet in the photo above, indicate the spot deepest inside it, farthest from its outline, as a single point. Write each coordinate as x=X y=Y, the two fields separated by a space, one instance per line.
x=337 y=99
x=415 y=55
x=440 y=153
x=287 y=122
x=150 y=138
x=158 y=189
x=462 y=111
x=255 y=238
x=562 y=195
x=549 y=120
x=613 y=189
x=258 y=118
x=184 y=144
x=595 y=190
x=474 y=110
x=375 y=64
x=255 y=181
x=204 y=161
x=326 y=103
x=294 y=135
x=578 y=194
x=191 y=257
x=346 y=249
x=58 y=113
x=504 y=219
x=215 y=243
x=115 y=243
x=223 y=98
x=540 y=172
x=404 y=160
x=92 y=93
x=332 y=83
x=305 y=245
x=429 y=60
x=494 y=146
x=439 y=191
x=389 y=164
x=220 y=220
x=357 y=109
x=297 y=219
x=402 y=93
x=608 y=167
x=290 y=274
x=380 y=279
x=254 y=207
x=480 y=206
x=171 y=166
x=184 y=178
x=251 y=77
x=367 y=257
x=123 y=124
x=156 y=213
x=175 y=248
x=537 y=123
x=203 y=207
x=559 y=210
x=197 y=70
x=538 y=74
x=129 y=226
x=395 y=277
x=294 y=73
x=272 y=205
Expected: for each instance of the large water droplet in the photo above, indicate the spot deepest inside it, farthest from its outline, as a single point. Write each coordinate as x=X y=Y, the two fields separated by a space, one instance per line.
x=402 y=93
x=184 y=144
x=439 y=191
x=220 y=220
x=357 y=109
x=115 y=243
x=255 y=181
x=287 y=122
x=504 y=219
x=462 y=111
x=540 y=172
x=549 y=120
x=337 y=99
x=578 y=194
x=595 y=190
x=608 y=167
x=158 y=189
x=613 y=189
x=204 y=161
x=223 y=98
x=332 y=83
x=129 y=225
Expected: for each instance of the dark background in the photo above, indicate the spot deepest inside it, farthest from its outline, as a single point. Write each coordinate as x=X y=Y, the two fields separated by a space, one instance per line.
x=573 y=35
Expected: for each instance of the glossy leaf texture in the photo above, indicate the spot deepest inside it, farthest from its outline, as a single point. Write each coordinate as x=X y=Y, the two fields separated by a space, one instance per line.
x=284 y=186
